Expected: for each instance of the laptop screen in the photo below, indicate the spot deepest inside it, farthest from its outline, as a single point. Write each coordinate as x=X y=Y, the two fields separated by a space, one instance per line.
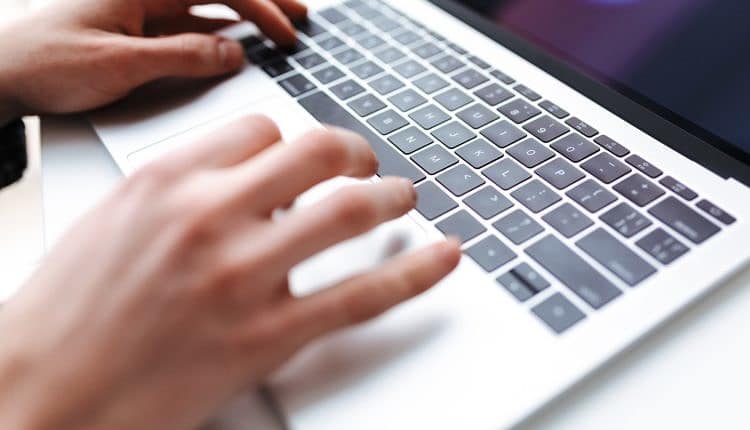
x=686 y=59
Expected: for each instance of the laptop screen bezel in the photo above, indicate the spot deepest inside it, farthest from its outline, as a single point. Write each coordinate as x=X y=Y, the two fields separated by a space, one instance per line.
x=711 y=152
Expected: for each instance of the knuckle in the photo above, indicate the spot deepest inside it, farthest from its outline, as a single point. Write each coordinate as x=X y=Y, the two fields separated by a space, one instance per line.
x=325 y=150
x=153 y=175
x=355 y=210
x=262 y=125
x=204 y=48
x=359 y=308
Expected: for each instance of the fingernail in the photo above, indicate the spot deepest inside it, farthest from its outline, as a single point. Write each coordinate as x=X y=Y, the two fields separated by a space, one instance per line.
x=357 y=141
x=230 y=54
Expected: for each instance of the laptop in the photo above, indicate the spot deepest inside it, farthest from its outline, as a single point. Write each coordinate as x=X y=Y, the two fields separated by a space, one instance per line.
x=592 y=157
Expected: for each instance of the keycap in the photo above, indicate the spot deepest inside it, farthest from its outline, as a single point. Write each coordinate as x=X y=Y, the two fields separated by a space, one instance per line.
x=644 y=166
x=461 y=225
x=606 y=168
x=331 y=43
x=506 y=174
x=558 y=313
x=626 y=220
x=432 y=202
x=410 y=68
x=503 y=134
x=429 y=117
x=352 y=29
x=264 y=54
x=366 y=105
x=460 y=180
x=546 y=129
x=662 y=246
x=407 y=37
x=477 y=116
x=407 y=100
x=328 y=74
x=592 y=196
x=493 y=94
x=684 y=220
x=575 y=148
x=554 y=109
x=610 y=145
x=536 y=196
x=618 y=258
x=386 y=84
x=347 y=89
x=502 y=77
x=518 y=227
x=332 y=15
x=567 y=220
x=491 y=254
x=582 y=127
x=448 y=63
x=519 y=110
x=348 y=56
x=527 y=92
x=470 y=79
x=252 y=42
x=410 y=140
x=530 y=277
x=367 y=70
x=386 y=24
x=434 y=159
x=488 y=202
x=479 y=62
x=457 y=49
x=430 y=83
x=479 y=153
x=310 y=27
x=371 y=42
x=387 y=122
x=515 y=286
x=427 y=50
x=296 y=85
x=639 y=190
x=679 y=188
x=453 y=99
x=453 y=134
x=560 y=174
x=277 y=68
x=530 y=152
x=573 y=271
x=716 y=212
x=389 y=55
x=392 y=163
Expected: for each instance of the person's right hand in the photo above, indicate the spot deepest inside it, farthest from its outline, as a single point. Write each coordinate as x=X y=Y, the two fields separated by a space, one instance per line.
x=172 y=295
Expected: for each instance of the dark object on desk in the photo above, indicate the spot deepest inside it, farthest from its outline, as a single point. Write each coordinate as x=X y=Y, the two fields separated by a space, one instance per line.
x=13 y=158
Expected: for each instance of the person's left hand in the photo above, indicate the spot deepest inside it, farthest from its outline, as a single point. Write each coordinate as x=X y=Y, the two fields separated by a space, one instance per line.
x=81 y=54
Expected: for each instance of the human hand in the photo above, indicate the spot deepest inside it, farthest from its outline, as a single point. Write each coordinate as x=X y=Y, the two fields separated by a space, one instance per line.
x=81 y=54
x=172 y=295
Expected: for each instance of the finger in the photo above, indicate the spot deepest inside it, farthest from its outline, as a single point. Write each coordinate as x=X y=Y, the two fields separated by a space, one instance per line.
x=185 y=24
x=269 y=18
x=295 y=10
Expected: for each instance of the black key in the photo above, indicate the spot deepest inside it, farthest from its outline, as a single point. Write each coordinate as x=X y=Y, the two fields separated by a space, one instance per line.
x=606 y=168
x=533 y=280
x=610 y=145
x=554 y=109
x=310 y=27
x=407 y=100
x=477 y=116
x=575 y=148
x=582 y=127
x=297 y=85
x=470 y=79
x=491 y=254
x=639 y=190
x=662 y=246
x=277 y=68
x=518 y=227
x=536 y=196
x=626 y=220
x=493 y=94
x=437 y=36
x=618 y=258
x=506 y=174
x=530 y=152
x=251 y=43
x=371 y=42
x=453 y=99
x=353 y=29
x=448 y=63
x=328 y=74
x=460 y=180
x=567 y=220
x=461 y=225
x=515 y=286
x=457 y=49
x=432 y=202
x=592 y=196
x=331 y=43
x=367 y=12
x=387 y=122
x=434 y=159
x=453 y=134
x=429 y=117
x=389 y=55
x=479 y=62
x=502 y=77
x=367 y=70
x=679 y=188
x=347 y=89
x=264 y=54
x=332 y=15
x=392 y=163
x=519 y=110
x=410 y=140
x=427 y=50
x=407 y=37
x=409 y=69
x=527 y=92
x=503 y=134
x=348 y=56
x=644 y=166
x=367 y=105
x=479 y=153
x=386 y=84
x=573 y=271
x=560 y=173
x=716 y=212
x=430 y=83
x=684 y=220
x=546 y=129
x=386 y=24
x=558 y=313
x=488 y=202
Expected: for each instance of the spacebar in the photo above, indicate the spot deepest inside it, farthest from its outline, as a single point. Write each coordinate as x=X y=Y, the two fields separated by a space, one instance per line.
x=392 y=163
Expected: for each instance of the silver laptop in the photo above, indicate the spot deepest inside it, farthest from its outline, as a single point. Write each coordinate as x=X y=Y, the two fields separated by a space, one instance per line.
x=592 y=156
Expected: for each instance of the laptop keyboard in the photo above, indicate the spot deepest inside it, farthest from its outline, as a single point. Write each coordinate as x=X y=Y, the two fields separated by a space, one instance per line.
x=485 y=150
